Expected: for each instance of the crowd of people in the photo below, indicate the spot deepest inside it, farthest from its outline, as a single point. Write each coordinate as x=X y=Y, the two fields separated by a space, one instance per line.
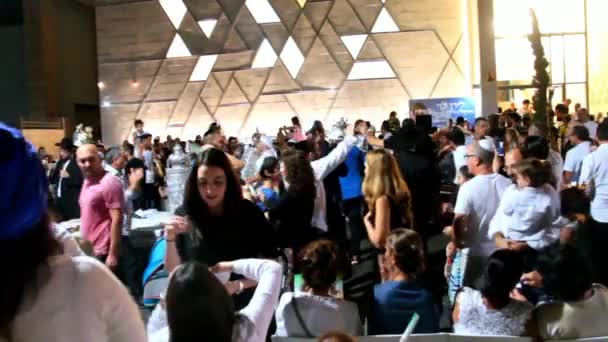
x=270 y=234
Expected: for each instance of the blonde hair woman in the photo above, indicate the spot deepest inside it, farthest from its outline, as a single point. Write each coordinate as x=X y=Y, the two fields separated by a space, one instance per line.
x=387 y=195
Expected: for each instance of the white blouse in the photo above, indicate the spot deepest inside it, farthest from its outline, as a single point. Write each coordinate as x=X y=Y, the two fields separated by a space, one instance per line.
x=320 y=314
x=82 y=301
x=253 y=320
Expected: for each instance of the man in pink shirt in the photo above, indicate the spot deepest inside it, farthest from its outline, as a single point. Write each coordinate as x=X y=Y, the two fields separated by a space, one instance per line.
x=101 y=201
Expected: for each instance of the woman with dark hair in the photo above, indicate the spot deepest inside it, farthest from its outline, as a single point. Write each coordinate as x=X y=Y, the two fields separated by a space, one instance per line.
x=490 y=310
x=270 y=174
x=200 y=309
x=47 y=295
x=538 y=147
x=582 y=309
x=215 y=223
x=316 y=310
x=399 y=297
x=291 y=215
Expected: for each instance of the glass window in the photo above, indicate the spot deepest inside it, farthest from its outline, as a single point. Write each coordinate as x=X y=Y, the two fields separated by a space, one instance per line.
x=575 y=59
x=555 y=52
x=514 y=60
x=577 y=93
x=511 y=17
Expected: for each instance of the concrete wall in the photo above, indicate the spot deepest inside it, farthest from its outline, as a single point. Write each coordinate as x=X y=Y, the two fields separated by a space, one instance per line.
x=428 y=54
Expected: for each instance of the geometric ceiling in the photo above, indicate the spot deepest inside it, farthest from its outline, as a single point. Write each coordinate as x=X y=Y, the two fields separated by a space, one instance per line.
x=252 y=64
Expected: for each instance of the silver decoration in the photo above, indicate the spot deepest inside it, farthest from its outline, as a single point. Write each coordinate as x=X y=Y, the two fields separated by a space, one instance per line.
x=82 y=136
x=178 y=169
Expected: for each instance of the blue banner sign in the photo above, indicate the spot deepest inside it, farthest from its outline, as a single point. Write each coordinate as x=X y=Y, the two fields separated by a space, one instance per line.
x=447 y=108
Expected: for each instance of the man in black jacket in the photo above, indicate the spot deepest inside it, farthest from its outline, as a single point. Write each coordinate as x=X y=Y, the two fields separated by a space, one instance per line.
x=66 y=179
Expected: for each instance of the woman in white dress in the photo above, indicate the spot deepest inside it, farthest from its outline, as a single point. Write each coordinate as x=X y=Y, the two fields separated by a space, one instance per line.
x=490 y=310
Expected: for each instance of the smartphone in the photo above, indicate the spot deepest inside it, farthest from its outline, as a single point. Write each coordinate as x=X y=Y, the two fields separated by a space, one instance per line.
x=501 y=149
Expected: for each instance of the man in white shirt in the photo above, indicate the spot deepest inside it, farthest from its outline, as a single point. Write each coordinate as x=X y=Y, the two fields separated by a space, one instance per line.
x=525 y=108
x=457 y=138
x=582 y=117
x=594 y=175
x=476 y=204
x=322 y=168
x=576 y=155
x=137 y=137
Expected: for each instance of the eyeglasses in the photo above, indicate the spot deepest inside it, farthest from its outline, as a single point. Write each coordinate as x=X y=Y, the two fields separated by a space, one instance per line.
x=470 y=155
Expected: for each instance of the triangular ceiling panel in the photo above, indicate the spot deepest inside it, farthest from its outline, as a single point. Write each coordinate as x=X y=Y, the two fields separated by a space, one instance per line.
x=265 y=57
x=249 y=30
x=371 y=100
x=344 y=19
x=223 y=78
x=370 y=50
x=367 y=10
x=186 y=103
x=311 y=105
x=443 y=16
x=178 y=48
x=317 y=12
x=320 y=70
x=233 y=95
x=234 y=61
x=288 y=11
x=198 y=122
x=268 y=114
x=234 y=43
x=232 y=118
x=280 y=80
x=192 y=34
x=207 y=26
x=204 y=9
x=451 y=84
x=277 y=35
x=410 y=68
x=154 y=114
x=336 y=47
x=385 y=23
x=231 y=7
x=175 y=10
x=251 y=81
x=215 y=43
x=354 y=43
x=304 y=34
x=171 y=79
x=211 y=94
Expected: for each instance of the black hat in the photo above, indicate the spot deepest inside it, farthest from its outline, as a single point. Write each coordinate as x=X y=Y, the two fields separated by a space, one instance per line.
x=66 y=144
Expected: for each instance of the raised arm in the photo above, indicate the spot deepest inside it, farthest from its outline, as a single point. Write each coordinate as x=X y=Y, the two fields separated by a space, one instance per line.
x=324 y=166
x=267 y=273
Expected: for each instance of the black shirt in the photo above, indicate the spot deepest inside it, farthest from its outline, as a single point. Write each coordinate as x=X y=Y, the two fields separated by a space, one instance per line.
x=241 y=232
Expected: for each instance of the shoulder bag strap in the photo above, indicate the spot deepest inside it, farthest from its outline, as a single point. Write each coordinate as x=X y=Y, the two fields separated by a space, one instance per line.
x=296 y=309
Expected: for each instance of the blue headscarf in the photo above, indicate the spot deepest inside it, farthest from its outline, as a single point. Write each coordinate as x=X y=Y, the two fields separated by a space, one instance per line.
x=23 y=185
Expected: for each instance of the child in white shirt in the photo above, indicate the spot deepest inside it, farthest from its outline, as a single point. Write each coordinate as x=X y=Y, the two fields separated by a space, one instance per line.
x=529 y=211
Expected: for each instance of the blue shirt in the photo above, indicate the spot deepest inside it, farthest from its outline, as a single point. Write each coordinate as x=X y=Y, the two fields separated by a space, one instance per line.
x=351 y=183
x=394 y=304
x=270 y=197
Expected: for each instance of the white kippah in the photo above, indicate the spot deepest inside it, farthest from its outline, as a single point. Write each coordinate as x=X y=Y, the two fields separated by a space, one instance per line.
x=487 y=144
